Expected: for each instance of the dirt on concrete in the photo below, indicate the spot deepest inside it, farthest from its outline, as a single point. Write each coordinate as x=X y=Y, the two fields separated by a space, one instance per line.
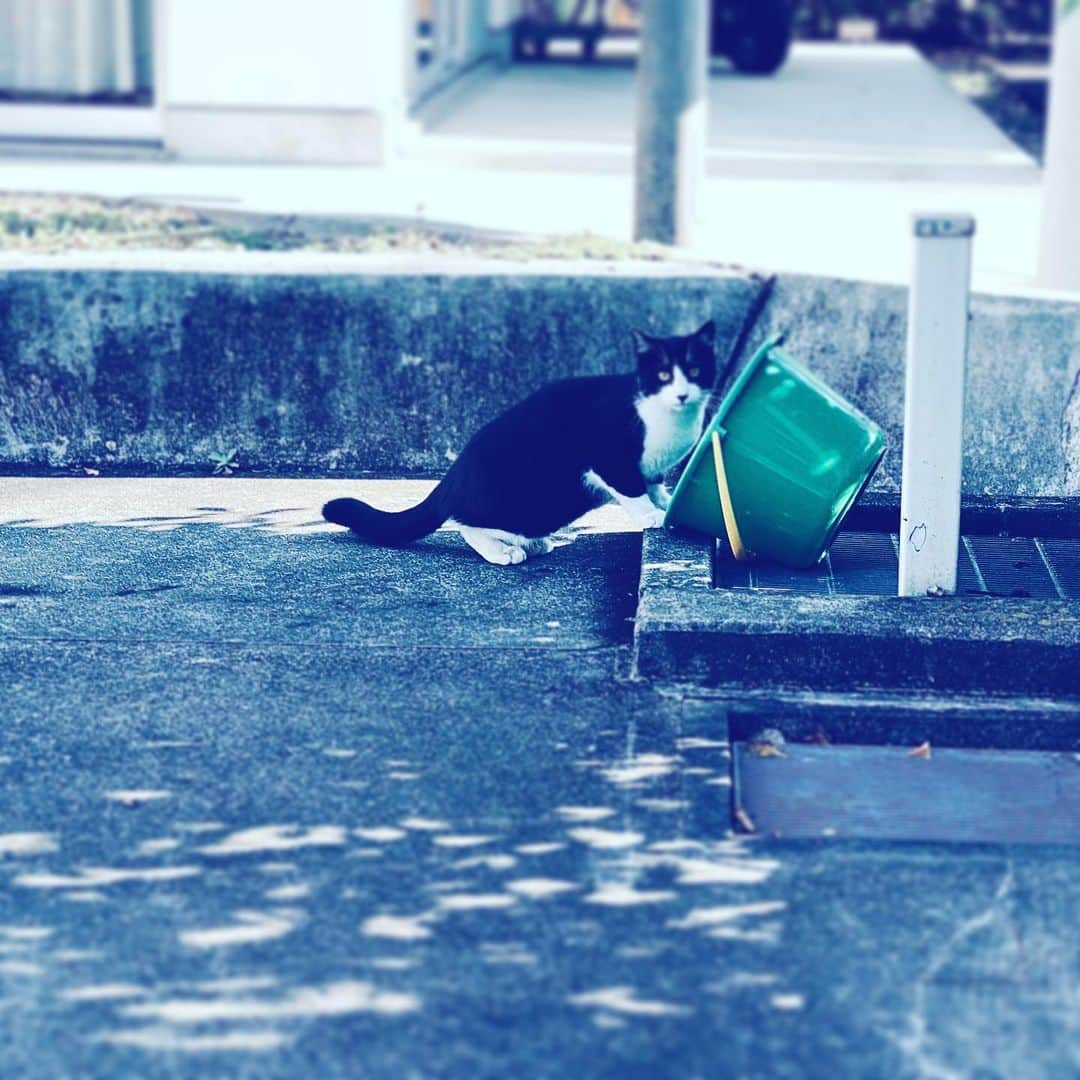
x=61 y=224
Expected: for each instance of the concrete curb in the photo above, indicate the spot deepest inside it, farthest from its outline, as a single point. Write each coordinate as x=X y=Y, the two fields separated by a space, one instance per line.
x=688 y=632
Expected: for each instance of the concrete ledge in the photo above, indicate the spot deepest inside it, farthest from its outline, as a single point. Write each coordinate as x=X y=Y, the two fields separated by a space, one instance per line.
x=314 y=364
x=980 y=515
x=754 y=162
x=368 y=369
x=293 y=136
x=690 y=633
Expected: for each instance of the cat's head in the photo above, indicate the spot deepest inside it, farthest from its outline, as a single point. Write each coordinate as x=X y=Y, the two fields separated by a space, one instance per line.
x=680 y=371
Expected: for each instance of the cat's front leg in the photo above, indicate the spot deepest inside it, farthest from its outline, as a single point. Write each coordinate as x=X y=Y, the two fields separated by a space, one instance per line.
x=659 y=494
x=643 y=512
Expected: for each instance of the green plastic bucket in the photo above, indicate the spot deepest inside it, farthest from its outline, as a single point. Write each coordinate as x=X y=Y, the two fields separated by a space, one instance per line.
x=780 y=465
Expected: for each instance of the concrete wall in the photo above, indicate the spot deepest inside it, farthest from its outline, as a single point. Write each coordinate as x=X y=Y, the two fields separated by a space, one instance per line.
x=304 y=373
x=389 y=371
x=326 y=81
x=280 y=54
x=272 y=80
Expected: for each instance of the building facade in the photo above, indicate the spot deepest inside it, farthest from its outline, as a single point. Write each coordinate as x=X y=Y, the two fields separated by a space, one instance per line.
x=326 y=81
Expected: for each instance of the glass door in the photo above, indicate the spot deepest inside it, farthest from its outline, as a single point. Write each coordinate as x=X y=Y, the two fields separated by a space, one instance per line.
x=440 y=42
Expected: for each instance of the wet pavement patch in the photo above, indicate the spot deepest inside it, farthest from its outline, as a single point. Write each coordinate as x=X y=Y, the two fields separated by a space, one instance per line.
x=895 y=793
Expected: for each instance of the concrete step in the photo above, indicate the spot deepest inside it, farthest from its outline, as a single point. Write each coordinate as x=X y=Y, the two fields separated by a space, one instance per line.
x=796 y=631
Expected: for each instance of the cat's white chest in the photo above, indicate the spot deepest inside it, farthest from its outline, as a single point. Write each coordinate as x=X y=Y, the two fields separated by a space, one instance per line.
x=670 y=434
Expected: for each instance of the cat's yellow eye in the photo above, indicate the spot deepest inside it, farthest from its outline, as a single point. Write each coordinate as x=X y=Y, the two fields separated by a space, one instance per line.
x=693 y=373
x=664 y=376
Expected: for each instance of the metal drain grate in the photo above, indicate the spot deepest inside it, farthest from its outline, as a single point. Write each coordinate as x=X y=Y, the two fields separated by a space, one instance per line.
x=1012 y=566
x=883 y=792
x=1063 y=559
x=866 y=564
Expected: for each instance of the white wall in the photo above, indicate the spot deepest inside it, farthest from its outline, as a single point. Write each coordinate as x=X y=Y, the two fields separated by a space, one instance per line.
x=314 y=54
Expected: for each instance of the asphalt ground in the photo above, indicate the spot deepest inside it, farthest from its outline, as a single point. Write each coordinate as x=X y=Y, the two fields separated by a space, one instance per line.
x=275 y=803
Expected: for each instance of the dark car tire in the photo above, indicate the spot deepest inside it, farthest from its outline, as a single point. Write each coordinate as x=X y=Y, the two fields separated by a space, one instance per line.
x=754 y=34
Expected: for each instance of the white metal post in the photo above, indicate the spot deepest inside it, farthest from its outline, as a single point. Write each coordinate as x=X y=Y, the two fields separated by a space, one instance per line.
x=934 y=404
x=1059 y=255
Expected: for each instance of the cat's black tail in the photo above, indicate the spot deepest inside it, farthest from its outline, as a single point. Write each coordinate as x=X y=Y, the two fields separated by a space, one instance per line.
x=387 y=527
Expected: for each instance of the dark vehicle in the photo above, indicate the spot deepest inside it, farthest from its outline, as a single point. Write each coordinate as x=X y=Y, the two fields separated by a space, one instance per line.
x=754 y=35
x=1018 y=29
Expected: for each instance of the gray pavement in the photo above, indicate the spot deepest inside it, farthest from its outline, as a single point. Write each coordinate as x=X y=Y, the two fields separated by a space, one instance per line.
x=274 y=803
x=879 y=112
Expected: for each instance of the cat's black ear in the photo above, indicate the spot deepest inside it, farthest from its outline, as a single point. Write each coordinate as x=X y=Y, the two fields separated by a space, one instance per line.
x=642 y=342
x=706 y=334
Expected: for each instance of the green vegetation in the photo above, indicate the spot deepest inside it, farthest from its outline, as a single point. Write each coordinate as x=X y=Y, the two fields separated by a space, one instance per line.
x=224 y=463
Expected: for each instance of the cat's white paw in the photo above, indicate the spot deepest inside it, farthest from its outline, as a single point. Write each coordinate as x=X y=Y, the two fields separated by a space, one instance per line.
x=504 y=555
x=496 y=547
x=651 y=519
x=661 y=496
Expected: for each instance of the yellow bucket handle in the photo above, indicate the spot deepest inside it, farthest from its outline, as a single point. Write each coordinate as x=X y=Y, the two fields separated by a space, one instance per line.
x=734 y=539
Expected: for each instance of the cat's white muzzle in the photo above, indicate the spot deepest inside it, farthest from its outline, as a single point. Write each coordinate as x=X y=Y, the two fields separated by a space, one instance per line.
x=680 y=393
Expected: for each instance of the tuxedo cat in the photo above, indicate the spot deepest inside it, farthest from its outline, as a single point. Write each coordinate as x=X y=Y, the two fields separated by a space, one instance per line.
x=568 y=448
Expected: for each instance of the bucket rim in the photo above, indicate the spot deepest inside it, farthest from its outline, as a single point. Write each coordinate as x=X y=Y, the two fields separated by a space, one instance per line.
x=704 y=444
x=764 y=352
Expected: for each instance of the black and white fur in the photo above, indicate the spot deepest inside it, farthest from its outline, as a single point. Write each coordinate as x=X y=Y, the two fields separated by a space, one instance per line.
x=569 y=447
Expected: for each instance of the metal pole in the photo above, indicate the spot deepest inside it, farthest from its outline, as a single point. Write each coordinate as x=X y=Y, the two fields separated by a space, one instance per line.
x=671 y=132
x=1059 y=254
x=934 y=404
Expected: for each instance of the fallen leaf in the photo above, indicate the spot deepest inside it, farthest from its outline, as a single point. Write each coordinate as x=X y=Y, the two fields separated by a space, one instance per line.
x=743 y=818
x=922 y=751
x=91 y=472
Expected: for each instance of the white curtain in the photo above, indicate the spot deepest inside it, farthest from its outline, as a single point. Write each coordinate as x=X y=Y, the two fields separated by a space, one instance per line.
x=74 y=48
